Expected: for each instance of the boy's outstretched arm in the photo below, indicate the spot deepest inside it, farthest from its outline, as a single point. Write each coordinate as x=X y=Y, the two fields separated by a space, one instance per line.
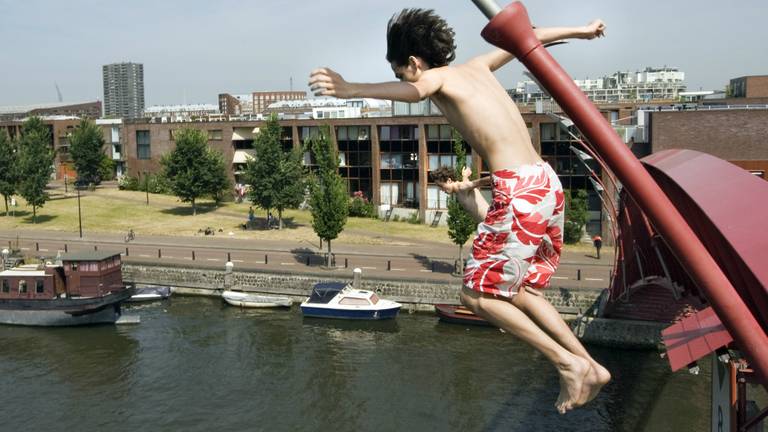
x=326 y=82
x=498 y=57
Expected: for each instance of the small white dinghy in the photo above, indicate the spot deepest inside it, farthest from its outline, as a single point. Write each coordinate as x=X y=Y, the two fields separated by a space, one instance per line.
x=251 y=300
x=145 y=293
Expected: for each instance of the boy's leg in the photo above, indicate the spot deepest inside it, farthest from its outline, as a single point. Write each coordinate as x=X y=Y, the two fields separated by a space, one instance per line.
x=535 y=306
x=572 y=368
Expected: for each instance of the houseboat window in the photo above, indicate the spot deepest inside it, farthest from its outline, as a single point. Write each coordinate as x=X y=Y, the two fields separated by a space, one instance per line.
x=74 y=266
x=354 y=301
x=23 y=286
x=39 y=286
x=6 y=286
x=374 y=298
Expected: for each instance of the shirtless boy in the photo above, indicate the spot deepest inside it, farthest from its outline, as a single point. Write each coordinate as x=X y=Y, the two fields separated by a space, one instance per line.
x=520 y=233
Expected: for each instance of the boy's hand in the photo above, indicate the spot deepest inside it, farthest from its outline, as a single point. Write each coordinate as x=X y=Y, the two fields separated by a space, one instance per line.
x=326 y=82
x=594 y=29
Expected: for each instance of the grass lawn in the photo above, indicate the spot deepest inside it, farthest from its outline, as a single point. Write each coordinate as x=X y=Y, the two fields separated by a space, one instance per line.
x=109 y=210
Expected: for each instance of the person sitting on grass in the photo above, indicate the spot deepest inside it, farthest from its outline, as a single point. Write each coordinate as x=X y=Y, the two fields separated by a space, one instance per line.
x=519 y=236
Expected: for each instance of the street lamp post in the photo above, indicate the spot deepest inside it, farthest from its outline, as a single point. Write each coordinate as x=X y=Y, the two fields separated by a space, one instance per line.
x=146 y=184
x=79 y=213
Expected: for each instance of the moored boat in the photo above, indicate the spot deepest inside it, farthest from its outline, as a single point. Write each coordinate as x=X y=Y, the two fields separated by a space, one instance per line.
x=340 y=300
x=252 y=300
x=80 y=288
x=456 y=314
x=149 y=293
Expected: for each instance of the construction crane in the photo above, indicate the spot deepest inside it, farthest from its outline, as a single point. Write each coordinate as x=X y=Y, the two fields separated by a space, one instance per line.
x=58 y=92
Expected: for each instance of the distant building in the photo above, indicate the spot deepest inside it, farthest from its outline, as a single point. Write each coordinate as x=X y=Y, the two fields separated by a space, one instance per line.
x=755 y=86
x=91 y=110
x=329 y=108
x=651 y=84
x=123 y=90
x=180 y=113
x=261 y=100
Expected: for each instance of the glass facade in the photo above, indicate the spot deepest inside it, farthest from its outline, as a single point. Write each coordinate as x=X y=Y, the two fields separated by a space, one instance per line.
x=354 y=143
x=399 y=149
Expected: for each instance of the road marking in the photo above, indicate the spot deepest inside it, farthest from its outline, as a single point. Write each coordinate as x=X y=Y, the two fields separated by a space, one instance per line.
x=213 y=259
x=238 y=261
x=24 y=248
x=144 y=256
x=394 y=269
x=167 y=256
x=287 y=263
x=369 y=268
x=559 y=277
x=425 y=271
x=43 y=250
x=188 y=258
x=593 y=279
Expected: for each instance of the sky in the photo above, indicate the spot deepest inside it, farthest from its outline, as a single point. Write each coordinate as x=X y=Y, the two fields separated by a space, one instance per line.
x=195 y=49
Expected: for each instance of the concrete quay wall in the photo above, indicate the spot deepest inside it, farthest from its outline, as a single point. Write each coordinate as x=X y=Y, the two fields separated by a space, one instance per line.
x=415 y=295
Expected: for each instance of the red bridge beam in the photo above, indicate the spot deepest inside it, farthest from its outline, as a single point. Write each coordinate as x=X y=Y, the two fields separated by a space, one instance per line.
x=511 y=30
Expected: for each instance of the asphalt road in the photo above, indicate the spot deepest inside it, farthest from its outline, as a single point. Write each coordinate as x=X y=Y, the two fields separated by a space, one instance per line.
x=429 y=262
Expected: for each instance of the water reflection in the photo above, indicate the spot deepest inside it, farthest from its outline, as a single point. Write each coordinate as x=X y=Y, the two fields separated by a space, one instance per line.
x=198 y=364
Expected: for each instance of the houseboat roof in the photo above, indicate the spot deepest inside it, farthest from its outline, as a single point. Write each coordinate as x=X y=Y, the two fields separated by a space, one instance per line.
x=88 y=256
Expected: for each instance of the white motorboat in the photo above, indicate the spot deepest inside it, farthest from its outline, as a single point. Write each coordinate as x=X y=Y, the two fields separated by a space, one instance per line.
x=340 y=300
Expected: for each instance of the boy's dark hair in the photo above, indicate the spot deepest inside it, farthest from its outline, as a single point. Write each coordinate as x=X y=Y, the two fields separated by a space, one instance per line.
x=443 y=174
x=421 y=33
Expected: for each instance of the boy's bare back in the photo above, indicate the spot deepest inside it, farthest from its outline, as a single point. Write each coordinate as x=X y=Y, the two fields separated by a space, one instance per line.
x=476 y=104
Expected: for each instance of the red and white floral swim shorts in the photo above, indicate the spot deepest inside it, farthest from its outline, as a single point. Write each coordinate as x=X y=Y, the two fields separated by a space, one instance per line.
x=519 y=242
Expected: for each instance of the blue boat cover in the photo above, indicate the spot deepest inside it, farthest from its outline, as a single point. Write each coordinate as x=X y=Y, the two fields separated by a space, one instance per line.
x=325 y=291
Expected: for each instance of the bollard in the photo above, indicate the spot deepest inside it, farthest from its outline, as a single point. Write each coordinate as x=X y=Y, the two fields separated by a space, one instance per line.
x=389 y=265
x=95 y=248
x=193 y=255
x=307 y=259
x=65 y=248
x=126 y=251
x=346 y=263
x=357 y=274
x=159 y=253
x=266 y=259
x=37 y=246
x=229 y=257
x=578 y=274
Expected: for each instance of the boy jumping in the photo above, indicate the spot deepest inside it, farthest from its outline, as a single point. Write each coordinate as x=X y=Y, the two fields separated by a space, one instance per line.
x=519 y=235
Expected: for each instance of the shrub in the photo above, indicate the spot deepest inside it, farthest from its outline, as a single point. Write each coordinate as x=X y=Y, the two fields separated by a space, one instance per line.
x=127 y=182
x=575 y=215
x=414 y=219
x=359 y=206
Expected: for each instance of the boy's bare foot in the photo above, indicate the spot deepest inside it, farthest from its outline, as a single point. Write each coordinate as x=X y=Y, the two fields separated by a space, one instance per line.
x=572 y=378
x=597 y=377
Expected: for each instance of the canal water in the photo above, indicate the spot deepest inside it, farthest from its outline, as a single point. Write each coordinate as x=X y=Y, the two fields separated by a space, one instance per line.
x=195 y=364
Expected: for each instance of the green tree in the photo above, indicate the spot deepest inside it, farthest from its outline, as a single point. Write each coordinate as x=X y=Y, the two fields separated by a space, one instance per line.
x=218 y=182
x=8 y=167
x=86 y=146
x=192 y=169
x=276 y=177
x=461 y=225
x=328 y=195
x=35 y=163
x=575 y=215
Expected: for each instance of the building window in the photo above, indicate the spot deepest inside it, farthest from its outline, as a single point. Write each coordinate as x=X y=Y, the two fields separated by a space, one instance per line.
x=436 y=198
x=22 y=287
x=215 y=135
x=142 y=145
x=6 y=286
x=39 y=286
